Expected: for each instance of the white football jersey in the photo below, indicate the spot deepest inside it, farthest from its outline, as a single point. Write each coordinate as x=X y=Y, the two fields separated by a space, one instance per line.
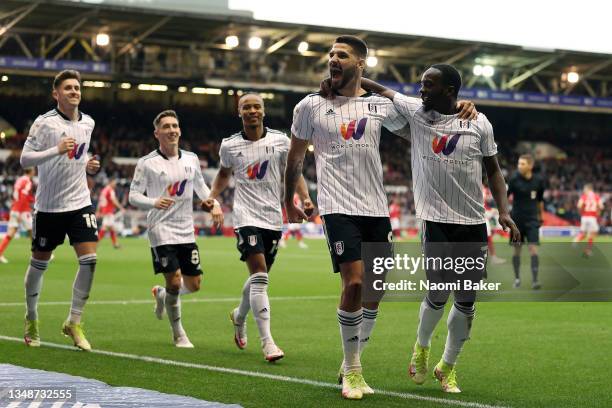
x=62 y=181
x=345 y=133
x=447 y=155
x=258 y=168
x=176 y=177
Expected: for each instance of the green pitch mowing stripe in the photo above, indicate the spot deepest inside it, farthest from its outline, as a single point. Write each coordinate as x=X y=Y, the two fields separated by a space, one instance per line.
x=257 y=374
x=531 y=355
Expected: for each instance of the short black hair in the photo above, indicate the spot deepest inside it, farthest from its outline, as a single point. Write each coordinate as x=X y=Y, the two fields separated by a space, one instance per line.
x=450 y=76
x=528 y=157
x=360 y=47
x=64 y=75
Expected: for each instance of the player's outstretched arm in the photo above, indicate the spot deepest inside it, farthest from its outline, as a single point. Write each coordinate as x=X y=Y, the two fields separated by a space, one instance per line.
x=293 y=172
x=498 y=190
x=375 y=87
x=466 y=109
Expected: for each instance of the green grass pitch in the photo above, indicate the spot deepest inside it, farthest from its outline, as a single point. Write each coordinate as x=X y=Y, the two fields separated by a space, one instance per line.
x=519 y=355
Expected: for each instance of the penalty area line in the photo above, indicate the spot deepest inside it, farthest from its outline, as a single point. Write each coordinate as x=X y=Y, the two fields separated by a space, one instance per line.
x=258 y=374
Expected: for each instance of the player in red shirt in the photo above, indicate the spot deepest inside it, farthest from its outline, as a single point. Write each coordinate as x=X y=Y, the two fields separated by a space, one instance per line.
x=107 y=203
x=292 y=229
x=21 y=210
x=395 y=213
x=590 y=205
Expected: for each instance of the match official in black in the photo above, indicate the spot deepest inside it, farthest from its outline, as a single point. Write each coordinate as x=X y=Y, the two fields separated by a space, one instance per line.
x=527 y=190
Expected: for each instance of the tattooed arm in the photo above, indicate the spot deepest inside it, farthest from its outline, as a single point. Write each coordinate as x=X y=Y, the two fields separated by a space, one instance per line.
x=293 y=173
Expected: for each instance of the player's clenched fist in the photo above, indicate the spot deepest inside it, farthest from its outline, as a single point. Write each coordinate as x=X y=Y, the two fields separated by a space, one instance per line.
x=308 y=207
x=66 y=144
x=208 y=204
x=163 y=203
x=295 y=215
x=509 y=226
x=211 y=205
x=93 y=165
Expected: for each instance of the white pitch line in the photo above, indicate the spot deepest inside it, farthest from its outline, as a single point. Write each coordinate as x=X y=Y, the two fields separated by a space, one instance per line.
x=257 y=374
x=151 y=301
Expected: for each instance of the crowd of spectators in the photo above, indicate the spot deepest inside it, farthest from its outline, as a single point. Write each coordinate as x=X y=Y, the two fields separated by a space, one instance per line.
x=125 y=130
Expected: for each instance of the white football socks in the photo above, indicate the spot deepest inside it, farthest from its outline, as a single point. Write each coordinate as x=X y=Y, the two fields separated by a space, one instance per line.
x=350 y=327
x=459 y=325
x=260 y=305
x=33 y=285
x=82 y=286
x=429 y=316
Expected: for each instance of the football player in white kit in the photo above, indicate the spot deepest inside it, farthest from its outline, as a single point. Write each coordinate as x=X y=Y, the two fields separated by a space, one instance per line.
x=345 y=131
x=57 y=145
x=164 y=182
x=448 y=157
x=256 y=156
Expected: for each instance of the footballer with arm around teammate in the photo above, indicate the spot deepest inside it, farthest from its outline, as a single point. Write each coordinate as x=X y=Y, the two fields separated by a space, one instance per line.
x=345 y=131
x=448 y=157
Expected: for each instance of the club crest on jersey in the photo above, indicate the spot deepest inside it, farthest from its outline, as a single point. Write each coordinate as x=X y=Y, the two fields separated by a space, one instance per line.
x=77 y=151
x=339 y=247
x=464 y=124
x=257 y=170
x=372 y=108
x=444 y=144
x=177 y=189
x=252 y=240
x=354 y=129
x=269 y=149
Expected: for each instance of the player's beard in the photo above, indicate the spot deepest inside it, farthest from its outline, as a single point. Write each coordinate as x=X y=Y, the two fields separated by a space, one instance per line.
x=347 y=76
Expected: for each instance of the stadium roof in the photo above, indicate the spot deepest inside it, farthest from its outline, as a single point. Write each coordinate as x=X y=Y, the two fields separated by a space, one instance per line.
x=56 y=30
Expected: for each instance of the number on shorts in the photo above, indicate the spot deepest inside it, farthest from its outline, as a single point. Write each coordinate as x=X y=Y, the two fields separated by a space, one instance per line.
x=90 y=220
x=195 y=257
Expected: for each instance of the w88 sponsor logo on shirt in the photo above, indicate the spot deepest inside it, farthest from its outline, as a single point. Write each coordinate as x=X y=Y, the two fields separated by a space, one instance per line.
x=177 y=189
x=257 y=170
x=355 y=129
x=446 y=144
x=77 y=151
